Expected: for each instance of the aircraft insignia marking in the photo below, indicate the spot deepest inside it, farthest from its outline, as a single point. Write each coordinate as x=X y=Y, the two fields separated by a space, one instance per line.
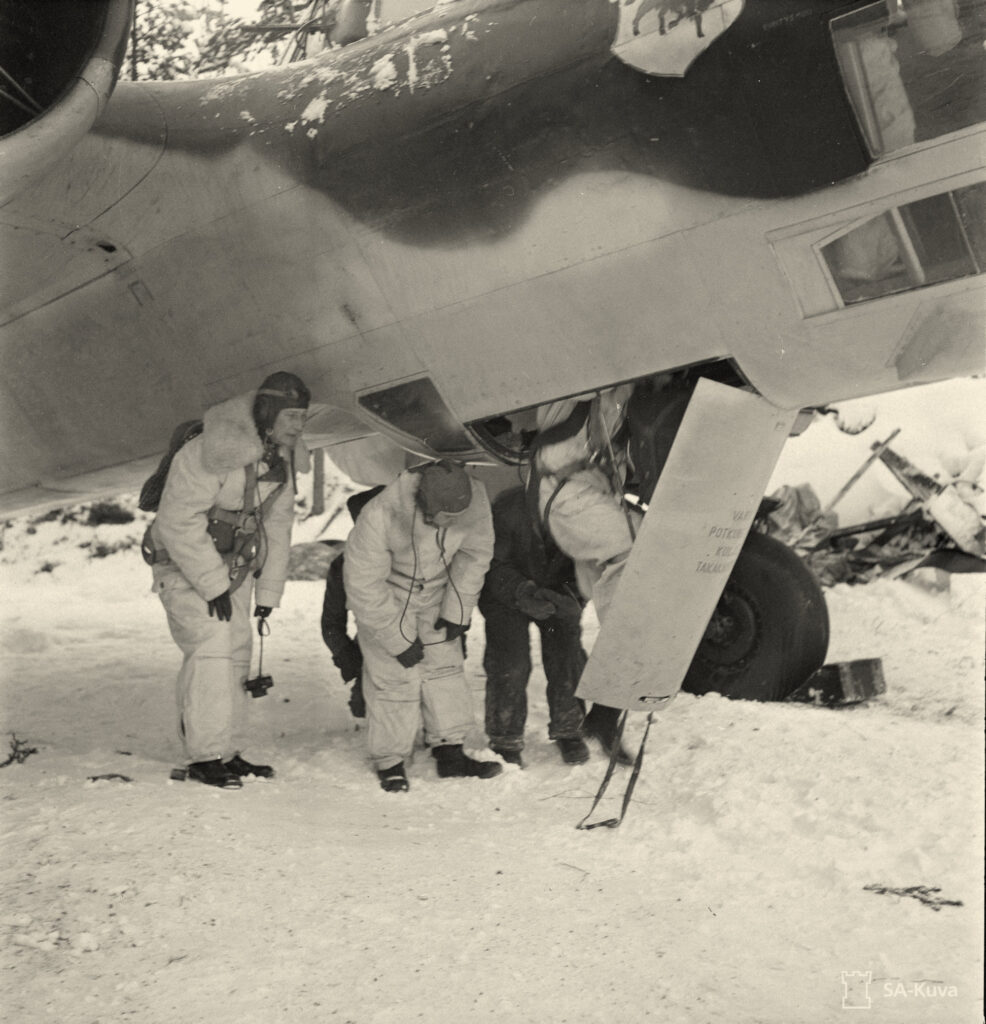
x=663 y=37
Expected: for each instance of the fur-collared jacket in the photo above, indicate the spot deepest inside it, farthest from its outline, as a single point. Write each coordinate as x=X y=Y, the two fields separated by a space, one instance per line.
x=210 y=471
x=397 y=567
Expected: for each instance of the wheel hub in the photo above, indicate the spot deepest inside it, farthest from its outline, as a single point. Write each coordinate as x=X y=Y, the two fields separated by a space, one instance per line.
x=733 y=634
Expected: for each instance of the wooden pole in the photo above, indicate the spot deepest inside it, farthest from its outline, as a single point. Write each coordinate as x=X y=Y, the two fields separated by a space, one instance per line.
x=318 y=482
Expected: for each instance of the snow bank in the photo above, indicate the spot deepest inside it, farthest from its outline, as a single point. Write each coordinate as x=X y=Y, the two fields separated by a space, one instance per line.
x=735 y=890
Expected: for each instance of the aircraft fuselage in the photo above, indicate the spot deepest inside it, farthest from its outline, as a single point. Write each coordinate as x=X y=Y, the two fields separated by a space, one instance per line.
x=486 y=197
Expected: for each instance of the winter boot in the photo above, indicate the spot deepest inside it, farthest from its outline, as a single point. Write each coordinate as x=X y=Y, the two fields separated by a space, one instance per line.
x=601 y=723
x=510 y=756
x=238 y=766
x=394 y=779
x=573 y=749
x=454 y=763
x=214 y=773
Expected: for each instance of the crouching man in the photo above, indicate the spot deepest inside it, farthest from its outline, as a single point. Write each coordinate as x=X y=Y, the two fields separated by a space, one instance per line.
x=415 y=563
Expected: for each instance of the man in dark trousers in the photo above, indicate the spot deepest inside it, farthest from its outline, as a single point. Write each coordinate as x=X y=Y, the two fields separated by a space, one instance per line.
x=531 y=580
x=346 y=655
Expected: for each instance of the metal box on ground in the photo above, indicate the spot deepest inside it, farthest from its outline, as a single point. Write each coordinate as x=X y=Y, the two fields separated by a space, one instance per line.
x=846 y=682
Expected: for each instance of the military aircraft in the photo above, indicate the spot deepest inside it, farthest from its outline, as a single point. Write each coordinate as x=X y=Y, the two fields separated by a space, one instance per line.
x=488 y=206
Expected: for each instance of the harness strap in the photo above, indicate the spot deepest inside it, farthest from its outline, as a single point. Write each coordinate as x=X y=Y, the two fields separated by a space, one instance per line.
x=558 y=432
x=249 y=547
x=613 y=757
x=249 y=544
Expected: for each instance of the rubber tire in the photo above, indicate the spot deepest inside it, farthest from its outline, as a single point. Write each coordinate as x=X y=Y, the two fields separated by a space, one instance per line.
x=770 y=630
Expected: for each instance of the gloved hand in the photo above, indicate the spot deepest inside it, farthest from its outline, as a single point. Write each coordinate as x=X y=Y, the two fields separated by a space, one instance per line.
x=453 y=630
x=262 y=611
x=221 y=607
x=357 y=702
x=348 y=659
x=530 y=604
x=566 y=606
x=413 y=654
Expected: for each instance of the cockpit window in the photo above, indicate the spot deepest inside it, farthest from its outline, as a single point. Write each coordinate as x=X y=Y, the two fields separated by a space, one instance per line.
x=937 y=239
x=913 y=69
x=415 y=408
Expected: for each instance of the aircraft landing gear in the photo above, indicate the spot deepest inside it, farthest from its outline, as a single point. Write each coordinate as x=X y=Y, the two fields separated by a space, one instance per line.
x=770 y=629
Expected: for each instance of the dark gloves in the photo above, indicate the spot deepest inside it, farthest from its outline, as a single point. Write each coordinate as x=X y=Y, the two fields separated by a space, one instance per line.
x=566 y=606
x=221 y=607
x=348 y=658
x=262 y=611
x=357 y=702
x=530 y=604
x=412 y=655
x=453 y=630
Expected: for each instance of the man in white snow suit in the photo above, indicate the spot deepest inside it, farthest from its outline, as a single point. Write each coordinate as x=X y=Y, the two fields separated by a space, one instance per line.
x=415 y=563
x=579 y=471
x=224 y=524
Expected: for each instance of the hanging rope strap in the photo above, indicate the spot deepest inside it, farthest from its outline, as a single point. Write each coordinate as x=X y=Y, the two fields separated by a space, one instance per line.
x=260 y=684
x=613 y=757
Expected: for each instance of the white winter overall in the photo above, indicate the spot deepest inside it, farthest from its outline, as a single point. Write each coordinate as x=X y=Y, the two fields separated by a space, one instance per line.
x=208 y=472
x=578 y=500
x=401 y=575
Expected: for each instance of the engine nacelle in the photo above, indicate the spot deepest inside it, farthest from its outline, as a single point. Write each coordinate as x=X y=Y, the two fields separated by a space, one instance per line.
x=59 y=62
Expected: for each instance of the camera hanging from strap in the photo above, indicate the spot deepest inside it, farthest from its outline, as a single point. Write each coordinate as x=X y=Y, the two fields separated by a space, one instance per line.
x=260 y=684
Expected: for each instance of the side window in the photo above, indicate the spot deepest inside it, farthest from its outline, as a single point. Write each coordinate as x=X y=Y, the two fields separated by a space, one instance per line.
x=937 y=239
x=416 y=408
x=913 y=69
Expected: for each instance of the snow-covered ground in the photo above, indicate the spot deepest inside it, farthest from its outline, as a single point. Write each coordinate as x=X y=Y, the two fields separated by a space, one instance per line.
x=737 y=889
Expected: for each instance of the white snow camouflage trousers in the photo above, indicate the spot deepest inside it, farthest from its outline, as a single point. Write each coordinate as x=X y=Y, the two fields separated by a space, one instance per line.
x=434 y=693
x=589 y=523
x=209 y=689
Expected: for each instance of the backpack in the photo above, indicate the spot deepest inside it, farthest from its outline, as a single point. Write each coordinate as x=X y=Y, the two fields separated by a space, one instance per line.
x=150 y=493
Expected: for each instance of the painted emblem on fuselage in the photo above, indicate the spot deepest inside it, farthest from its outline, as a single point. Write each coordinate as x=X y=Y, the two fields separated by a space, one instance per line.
x=663 y=37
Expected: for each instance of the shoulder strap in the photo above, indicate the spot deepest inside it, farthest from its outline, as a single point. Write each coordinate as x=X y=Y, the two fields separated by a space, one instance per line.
x=249 y=488
x=562 y=431
x=554 y=434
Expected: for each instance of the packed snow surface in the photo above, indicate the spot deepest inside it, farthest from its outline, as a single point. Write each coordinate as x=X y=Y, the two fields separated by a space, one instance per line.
x=760 y=874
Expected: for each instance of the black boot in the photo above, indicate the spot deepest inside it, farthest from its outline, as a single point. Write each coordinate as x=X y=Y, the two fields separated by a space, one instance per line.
x=454 y=763
x=394 y=779
x=601 y=723
x=214 y=773
x=510 y=756
x=572 y=749
x=238 y=766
